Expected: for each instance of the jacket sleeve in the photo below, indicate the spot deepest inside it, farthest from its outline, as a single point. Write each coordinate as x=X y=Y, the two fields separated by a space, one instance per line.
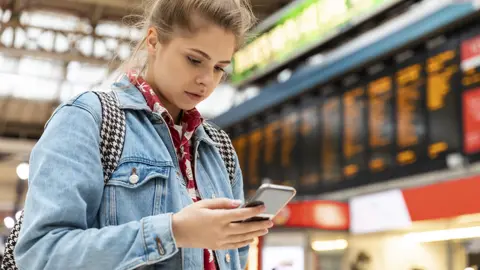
x=238 y=194
x=64 y=196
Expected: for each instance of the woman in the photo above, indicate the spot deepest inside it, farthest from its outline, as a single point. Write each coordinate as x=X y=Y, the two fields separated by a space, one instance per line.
x=145 y=216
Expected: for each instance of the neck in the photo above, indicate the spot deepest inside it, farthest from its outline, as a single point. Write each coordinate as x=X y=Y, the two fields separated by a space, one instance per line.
x=173 y=110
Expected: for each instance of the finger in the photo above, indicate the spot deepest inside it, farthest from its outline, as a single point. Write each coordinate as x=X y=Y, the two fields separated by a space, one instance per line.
x=237 y=245
x=243 y=228
x=241 y=213
x=221 y=203
x=247 y=236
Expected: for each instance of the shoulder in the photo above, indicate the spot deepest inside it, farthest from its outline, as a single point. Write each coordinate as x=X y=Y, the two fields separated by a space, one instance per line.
x=87 y=102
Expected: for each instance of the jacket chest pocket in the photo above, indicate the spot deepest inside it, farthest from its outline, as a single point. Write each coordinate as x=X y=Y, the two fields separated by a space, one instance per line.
x=135 y=190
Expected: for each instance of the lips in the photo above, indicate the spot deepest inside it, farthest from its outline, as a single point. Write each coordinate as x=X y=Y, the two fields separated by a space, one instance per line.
x=194 y=96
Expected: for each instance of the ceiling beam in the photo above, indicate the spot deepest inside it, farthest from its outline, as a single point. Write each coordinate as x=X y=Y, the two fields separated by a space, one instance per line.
x=16 y=146
x=67 y=57
x=125 y=4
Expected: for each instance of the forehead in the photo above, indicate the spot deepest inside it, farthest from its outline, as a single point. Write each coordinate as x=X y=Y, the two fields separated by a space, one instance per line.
x=217 y=42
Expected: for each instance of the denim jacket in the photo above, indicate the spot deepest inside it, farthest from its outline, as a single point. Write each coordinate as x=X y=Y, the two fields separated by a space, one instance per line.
x=73 y=221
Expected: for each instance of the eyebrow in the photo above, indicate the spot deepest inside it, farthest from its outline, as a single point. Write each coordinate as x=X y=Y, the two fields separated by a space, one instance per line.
x=204 y=54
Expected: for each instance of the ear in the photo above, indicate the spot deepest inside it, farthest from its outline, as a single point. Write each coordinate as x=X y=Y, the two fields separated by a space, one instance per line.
x=152 y=41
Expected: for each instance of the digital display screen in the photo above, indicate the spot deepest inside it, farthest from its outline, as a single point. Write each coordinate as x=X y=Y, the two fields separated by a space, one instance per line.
x=303 y=26
x=310 y=139
x=381 y=123
x=354 y=132
x=411 y=126
x=443 y=80
x=240 y=143
x=331 y=140
x=272 y=149
x=254 y=157
x=291 y=153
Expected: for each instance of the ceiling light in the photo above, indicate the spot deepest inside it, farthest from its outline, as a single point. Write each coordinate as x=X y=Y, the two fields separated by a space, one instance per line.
x=443 y=235
x=9 y=222
x=339 y=244
x=23 y=170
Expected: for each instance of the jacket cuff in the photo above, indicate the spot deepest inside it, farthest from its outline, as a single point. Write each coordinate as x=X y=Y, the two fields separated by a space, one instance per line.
x=160 y=244
x=243 y=253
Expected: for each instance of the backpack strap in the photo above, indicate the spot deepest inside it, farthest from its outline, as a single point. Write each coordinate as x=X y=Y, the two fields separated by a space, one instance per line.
x=8 y=262
x=112 y=137
x=112 y=133
x=225 y=147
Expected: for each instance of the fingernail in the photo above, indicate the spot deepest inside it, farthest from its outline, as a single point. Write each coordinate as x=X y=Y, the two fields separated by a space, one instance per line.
x=236 y=203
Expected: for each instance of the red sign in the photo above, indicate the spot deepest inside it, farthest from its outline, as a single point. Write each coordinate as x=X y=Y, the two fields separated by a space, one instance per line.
x=471 y=53
x=471 y=121
x=444 y=200
x=324 y=215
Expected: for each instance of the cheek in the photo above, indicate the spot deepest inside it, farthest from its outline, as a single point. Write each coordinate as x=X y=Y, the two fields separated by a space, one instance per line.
x=169 y=74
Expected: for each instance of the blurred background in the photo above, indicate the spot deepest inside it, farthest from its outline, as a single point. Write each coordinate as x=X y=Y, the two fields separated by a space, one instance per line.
x=369 y=108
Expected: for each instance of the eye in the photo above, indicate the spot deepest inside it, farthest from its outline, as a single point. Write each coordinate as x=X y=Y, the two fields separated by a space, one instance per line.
x=194 y=61
x=219 y=69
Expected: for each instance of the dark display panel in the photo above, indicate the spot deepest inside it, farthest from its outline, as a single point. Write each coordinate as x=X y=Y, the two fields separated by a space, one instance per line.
x=310 y=142
x=381 y=125
x=272 y=148
x=240 y=143
x=354 y=129
x=443 y=85
x=255 y=153
x=331 y=125
x=410 y=82
x=291 y=156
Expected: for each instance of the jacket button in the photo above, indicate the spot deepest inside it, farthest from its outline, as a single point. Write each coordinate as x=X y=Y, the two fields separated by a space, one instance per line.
x=227 y=258
x=133 y=177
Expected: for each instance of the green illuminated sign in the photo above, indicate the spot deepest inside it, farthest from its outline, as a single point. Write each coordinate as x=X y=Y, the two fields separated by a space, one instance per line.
x=303 y=26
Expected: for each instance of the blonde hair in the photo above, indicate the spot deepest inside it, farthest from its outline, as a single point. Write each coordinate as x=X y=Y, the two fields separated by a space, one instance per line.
x=169 y=16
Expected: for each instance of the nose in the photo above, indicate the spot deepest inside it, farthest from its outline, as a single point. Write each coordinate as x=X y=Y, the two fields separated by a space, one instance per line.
x=205 y=80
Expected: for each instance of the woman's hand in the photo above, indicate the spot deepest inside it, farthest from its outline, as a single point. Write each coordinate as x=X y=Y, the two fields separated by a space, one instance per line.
x=209 y=224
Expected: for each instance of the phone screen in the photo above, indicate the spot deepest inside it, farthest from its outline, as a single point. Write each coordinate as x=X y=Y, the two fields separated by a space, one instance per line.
x=273 y=199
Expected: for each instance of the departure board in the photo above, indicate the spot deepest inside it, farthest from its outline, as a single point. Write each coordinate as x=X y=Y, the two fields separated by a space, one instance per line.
x=470 y=66
x=331 y=117
x=291 y=153
x=255 y=144
x=410 y=113
x=240 y=143
x=354 y=132
x=443 y=84
x=272 y=148
x=380 y=120
x=310 y=140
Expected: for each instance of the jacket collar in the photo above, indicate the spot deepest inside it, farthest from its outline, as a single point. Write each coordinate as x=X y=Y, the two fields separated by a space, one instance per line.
x=130 y=98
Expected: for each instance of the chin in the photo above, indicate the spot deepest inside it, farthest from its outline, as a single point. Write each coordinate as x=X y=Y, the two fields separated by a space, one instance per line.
x=187 y=107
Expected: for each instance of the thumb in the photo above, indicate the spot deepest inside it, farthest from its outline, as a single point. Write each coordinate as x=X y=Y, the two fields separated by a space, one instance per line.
x=221 y=203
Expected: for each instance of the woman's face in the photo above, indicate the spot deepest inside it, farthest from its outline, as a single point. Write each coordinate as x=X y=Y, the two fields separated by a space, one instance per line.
x=185 y=70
